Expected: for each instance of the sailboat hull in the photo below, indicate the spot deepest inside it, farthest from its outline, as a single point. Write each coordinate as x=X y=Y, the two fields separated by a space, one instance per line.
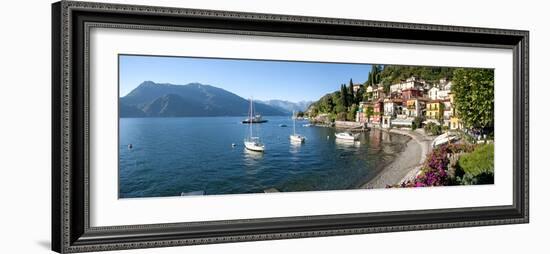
x=254 y=121
x=254 y=146
x=297 y=138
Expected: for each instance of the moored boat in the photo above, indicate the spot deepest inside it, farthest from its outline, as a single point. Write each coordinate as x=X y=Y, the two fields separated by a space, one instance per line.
x=254 y=119
x=296 y=137
x=253 y=143
x=347 y=136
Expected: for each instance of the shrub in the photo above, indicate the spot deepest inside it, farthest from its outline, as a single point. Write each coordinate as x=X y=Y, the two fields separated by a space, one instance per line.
x=433 y=129
x=416 y=123
x=479 y=161
x=460 y=148
x=476 y=167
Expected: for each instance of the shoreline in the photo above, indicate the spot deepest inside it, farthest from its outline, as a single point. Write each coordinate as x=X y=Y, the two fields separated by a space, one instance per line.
x=407 y=164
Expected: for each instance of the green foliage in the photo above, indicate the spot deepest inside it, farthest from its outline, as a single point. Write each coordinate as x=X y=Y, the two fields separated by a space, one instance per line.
x=479 y=161
x=394 y=73
x=344 y=96
x=374 y=75
x=351 y=95
x=416 y=123
x=341 y=116
x=352 y=112
x=433 y=128
x=300 y=114
x=370 y=111
x=360 y=94
x=476 y=167
x=474 y=97
x=387 y=88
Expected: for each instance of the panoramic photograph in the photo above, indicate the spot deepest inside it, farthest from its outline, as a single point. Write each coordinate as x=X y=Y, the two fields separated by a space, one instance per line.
x=211 y=126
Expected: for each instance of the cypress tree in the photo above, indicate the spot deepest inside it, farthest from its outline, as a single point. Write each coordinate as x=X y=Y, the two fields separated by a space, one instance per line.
x=344 y=95
x=351 y=93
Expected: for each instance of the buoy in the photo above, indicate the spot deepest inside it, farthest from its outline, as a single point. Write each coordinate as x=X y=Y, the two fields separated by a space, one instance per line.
x=233 y=144
x=130 y=146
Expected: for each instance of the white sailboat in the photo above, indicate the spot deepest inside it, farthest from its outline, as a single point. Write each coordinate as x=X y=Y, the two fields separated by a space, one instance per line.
x=296 y=137
x=253 y=143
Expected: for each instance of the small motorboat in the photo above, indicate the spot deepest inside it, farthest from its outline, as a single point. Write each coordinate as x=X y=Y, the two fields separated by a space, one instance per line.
x=297 y=138
x=347 y=136
x=282 y=125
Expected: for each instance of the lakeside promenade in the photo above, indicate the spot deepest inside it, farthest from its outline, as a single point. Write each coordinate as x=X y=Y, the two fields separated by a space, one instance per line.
x=407 y=165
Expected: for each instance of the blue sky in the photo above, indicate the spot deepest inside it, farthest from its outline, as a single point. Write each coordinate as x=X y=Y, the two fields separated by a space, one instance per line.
x=263 y=80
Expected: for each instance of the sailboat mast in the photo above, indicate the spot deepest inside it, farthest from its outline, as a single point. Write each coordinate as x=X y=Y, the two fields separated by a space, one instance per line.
x=250 y=118
x=294 y=122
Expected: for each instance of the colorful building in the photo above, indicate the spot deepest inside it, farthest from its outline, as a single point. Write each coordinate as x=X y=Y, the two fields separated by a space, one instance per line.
x=434 y=110
x=455 y=123
x=386 y=121
x=447 y=112
x=412 y=82
x=393 y=107
x=361 y=115
x=378 y=93
x=378 y=111
x=415 y=107
x=411 y=93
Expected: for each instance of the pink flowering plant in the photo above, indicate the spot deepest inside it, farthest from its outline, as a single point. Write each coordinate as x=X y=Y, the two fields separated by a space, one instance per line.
x=434 y=170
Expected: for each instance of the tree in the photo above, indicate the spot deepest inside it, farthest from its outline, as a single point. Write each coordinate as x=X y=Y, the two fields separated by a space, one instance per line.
x=351 y=94
x=359 y=95
x=370 y=112
x=374 y=75
x=351 y=112
x=387 y=88
x=473 y=91
x=344 y=95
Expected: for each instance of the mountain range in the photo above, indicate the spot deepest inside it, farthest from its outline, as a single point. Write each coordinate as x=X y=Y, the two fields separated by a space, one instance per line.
x=152 y=99
x=288 y=105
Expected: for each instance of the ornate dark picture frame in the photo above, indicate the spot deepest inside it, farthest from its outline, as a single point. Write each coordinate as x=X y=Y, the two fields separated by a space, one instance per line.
x=71 y=22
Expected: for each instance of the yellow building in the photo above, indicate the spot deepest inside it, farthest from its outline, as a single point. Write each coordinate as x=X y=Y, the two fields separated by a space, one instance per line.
x=456 y=124
x=434 y=110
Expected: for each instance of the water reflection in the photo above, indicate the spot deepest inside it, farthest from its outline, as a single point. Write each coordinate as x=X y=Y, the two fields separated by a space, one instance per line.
x=295 y=146
x=346 y=144
x=252 y=158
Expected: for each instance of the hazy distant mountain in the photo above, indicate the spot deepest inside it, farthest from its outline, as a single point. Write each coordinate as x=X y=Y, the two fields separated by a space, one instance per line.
x=288 y=105
x=151 y=99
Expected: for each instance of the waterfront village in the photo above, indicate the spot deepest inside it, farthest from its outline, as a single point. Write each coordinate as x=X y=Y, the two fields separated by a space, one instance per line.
x=404 y=106
x=454 y=150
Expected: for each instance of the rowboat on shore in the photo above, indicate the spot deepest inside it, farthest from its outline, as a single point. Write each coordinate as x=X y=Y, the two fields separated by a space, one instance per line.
x=444 y=138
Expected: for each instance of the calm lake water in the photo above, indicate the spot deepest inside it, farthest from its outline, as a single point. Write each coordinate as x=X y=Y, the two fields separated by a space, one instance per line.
x=194 y=154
